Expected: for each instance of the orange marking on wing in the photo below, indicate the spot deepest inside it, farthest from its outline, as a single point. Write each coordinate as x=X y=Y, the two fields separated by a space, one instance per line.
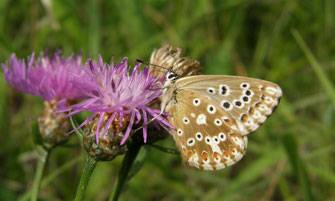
x=204 y=156
x=189 y=154
x=232 y=149
x=251 y=111
x=228 y=122
x=215 y=155
x=184 y=150
x=244 y=118
x=225 y=154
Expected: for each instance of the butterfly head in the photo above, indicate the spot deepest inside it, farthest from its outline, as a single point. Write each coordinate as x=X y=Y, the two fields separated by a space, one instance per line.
x=170 y=77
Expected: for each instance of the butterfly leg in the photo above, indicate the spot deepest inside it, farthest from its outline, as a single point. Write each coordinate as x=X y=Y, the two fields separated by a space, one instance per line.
x=151 y=120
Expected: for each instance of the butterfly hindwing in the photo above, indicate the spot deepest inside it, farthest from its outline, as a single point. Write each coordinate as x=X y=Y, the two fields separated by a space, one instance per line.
x=248 y=101
x=204 y=136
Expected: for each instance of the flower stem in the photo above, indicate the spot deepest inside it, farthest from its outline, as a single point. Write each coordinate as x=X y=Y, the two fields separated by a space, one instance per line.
x=43 y=158
x=85 y=177
x=128 y=160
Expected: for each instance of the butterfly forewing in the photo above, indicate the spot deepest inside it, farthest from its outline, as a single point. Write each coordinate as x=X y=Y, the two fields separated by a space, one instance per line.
x=205 y=139
x=247 y=101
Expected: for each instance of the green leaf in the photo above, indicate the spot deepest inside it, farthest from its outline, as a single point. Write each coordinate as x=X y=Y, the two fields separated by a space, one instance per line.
x=78 y=132
x=166 y=150
x=139 y=161
x=36 y=135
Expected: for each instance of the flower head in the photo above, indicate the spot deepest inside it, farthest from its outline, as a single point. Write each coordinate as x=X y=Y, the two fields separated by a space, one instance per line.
x=46 y=77
x=118 y=99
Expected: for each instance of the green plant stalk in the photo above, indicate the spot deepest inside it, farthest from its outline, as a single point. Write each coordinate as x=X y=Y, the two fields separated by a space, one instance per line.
x=51 y=177
x=43 y=158
x=85 y=177
x=128 y=160
x=326 y=83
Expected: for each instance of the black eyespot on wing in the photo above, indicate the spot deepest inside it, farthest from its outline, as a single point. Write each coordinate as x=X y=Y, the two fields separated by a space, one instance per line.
x=238 y=103
x=223 y=90
x=226 y=105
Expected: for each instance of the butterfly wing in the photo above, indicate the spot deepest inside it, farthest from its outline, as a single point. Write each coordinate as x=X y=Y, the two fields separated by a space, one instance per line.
x=203 y=136
x=248 y=101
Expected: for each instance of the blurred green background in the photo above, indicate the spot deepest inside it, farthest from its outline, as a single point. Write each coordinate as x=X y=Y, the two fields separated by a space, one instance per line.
x=291 y=157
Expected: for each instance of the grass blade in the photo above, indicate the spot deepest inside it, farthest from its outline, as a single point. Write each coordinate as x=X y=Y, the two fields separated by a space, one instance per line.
x=326 y=83
x=298 y=166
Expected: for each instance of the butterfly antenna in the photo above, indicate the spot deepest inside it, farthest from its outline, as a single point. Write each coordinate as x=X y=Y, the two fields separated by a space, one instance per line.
x=175 y=61
x=146 y=63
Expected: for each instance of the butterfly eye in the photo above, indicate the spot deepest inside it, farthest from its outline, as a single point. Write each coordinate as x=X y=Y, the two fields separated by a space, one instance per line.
x=171 y=76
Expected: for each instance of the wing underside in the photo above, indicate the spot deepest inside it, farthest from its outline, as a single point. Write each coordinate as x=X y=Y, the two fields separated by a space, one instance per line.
x=204 y=134
x=248 y=101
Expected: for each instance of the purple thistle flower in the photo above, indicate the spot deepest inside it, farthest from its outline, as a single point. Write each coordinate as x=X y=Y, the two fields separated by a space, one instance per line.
x=115 y=95
x=46 y=77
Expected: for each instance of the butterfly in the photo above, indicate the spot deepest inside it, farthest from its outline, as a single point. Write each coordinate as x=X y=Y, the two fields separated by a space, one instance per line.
x=213 y=114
